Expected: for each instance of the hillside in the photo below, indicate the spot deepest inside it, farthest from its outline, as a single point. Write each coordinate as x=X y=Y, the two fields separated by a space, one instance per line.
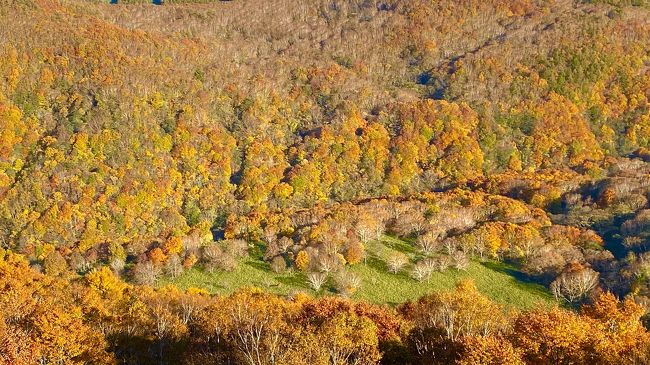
x=448 y=181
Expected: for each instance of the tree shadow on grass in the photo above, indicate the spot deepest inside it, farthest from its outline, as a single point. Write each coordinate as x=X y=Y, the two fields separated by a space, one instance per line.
x=376 y=263
x=259 y=265
x=522 y=281
x=296 y=281
x=256 y=252
x=508 y=270
x=405 y=274
x=402 y=245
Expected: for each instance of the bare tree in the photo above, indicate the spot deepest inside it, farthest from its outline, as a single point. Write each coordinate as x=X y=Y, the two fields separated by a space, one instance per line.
x=368 y=228
x=278 y=264
x=117 y=265
x=216 y=259
x=174 y=266
x=146 y=273
x=443 y=262
x=459 y=219
x=450 y=245
x=429 y=241
x=328 y=263
x=270 y=234
x=236 y=248
x=396 y=261
x=347 y=282
x=411 y=221
x=190 y=304
x=574 y=284
x=423 y=269
x=461 y=262
x=192 y=242
x=316 y=280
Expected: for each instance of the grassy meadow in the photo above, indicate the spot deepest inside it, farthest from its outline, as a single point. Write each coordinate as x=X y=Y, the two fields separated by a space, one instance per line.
x=497 y=280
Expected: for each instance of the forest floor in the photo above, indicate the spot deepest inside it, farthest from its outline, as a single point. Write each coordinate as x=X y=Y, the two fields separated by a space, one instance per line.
x=499 y=281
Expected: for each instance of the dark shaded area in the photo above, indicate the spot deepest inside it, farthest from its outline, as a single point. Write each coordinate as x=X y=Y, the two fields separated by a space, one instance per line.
x=424 y=78
x=510 y=271
x=218 y=234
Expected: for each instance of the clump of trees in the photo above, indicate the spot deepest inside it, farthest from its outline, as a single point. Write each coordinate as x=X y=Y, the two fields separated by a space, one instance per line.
x=447 y=230
x=100 y=319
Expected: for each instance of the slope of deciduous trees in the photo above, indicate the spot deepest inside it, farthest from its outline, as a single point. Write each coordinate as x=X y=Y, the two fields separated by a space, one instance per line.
x=134 y=135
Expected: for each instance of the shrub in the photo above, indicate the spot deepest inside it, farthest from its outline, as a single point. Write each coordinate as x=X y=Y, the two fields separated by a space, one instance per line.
x=423 y=269
x=146 y=273
x=347 y=283
x=396 y=261
x=278 y=265
x=302 y=260
x=316 y=280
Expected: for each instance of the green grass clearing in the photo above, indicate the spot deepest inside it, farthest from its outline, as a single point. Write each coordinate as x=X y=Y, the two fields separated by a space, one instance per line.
x=496 y=280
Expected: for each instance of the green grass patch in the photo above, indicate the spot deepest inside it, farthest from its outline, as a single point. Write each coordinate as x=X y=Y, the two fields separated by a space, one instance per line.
x=500 y=282
x=249 y=272
x=380 y=286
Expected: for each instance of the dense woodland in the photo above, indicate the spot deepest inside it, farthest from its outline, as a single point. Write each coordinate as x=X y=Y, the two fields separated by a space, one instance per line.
x=138 y=142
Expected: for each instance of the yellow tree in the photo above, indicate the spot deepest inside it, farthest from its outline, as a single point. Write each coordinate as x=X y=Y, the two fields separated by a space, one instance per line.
x=555 y=336
x=47 y=322
x=624 y=338
x=252 y=323
x=302 y=260
x=441 y=321
x=349 y=339
x=492 y=350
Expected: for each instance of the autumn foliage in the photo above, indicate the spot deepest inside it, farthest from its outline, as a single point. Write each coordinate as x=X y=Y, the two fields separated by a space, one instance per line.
x=102 y=320
x=141 y=142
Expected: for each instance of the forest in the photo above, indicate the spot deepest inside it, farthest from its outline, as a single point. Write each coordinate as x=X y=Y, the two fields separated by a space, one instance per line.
x=335 y=182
